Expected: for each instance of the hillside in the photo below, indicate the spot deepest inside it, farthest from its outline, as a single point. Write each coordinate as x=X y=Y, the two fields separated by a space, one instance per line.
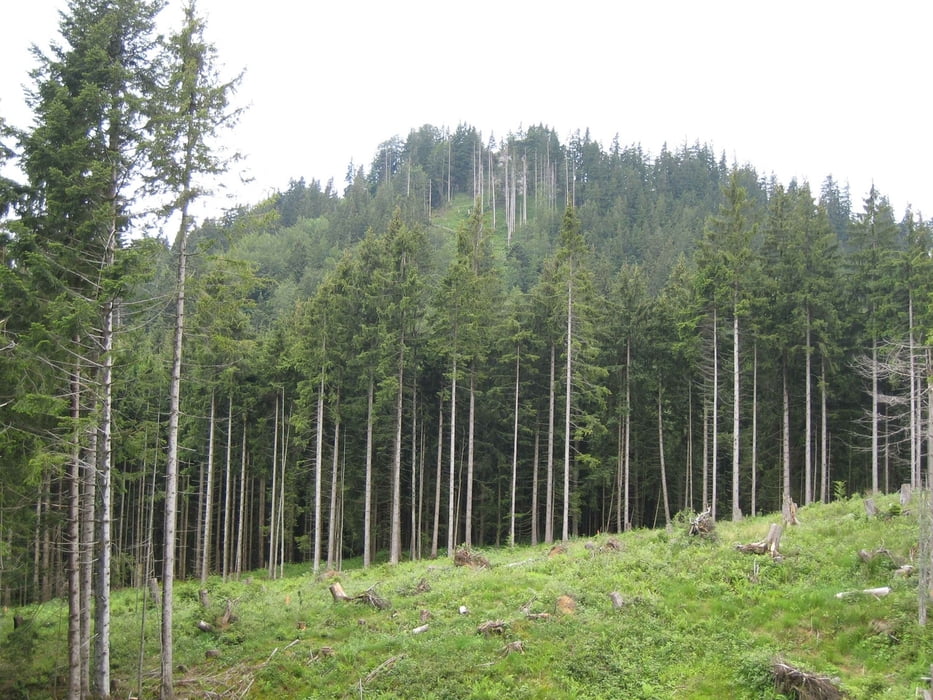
x=698 y=619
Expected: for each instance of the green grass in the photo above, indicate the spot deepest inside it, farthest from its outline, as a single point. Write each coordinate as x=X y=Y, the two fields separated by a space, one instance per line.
x=700 y=621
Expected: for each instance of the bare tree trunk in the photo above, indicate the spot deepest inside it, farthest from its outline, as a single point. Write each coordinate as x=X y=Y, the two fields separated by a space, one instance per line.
x=73 y=541
x=332 y=518
x=534 y=489
x=395 y=545
x=437 y=479
x=104 y=535
x=228 y=500
x=549 y=498
x=238 y=567
x=273 y=495
x=368 y=488
x=626 y=454
x=667 y=505
x=468 y=518
x=451 y=529
x=714 y=457
x=785 y=438
x=318 y=469
x=824 y=434
x=808 y=419
x=568 y=392
x=736 y=412
x=514 y=454
x=88 y=502
x=167 y=689
x=208 y=495
x=875 y=418
x=754 y=510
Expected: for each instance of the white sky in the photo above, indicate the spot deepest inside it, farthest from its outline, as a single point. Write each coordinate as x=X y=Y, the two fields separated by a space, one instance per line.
x=800 y=88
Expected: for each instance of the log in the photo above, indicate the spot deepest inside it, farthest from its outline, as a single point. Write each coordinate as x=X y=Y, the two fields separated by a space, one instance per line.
x=876 y=592
x=419 y=630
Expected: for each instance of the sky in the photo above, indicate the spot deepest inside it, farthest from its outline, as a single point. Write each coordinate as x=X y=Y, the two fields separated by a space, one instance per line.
x=798 y=89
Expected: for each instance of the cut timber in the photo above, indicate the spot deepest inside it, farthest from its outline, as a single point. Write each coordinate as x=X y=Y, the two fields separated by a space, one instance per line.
x=876 y=592
x=795 y=683
x=769 y=545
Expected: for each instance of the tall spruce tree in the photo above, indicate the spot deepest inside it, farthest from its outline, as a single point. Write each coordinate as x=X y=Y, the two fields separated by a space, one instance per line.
x=193 y=107
x=90 y=101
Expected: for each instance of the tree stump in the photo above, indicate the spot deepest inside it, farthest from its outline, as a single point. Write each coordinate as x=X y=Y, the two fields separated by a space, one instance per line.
x=204 y=598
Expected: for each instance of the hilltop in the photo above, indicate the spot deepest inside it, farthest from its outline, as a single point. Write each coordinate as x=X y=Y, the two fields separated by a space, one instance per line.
x=693 y=617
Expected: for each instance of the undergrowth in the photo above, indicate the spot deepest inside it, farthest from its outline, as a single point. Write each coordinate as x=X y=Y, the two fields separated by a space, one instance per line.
x=696 y=619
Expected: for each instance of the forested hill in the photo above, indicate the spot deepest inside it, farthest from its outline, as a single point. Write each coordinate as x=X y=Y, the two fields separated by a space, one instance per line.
x=480 y=343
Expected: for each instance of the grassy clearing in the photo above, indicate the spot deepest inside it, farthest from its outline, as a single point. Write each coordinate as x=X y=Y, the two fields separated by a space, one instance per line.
x=700 y=620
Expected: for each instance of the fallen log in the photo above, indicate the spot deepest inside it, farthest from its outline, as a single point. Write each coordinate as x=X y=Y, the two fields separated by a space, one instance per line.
x=876 y=592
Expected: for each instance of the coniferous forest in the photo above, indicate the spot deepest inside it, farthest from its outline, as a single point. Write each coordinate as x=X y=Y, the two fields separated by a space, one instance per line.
x=471 y=341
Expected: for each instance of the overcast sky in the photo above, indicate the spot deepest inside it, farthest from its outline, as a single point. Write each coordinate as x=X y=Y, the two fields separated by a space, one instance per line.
x=800 y=88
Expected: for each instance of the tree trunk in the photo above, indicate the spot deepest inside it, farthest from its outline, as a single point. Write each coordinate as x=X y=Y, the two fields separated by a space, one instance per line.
x=514 y=454
x=238 y=566
x=549 y=497
x=395 y=545
x=667 y=505
x=568 y=376
x=368 y=488
x=273 y=495
x=73 y=541
x=468 y=517
x=736 y=412
x=228 y=496
x=714 y=457
x=318 y=470
x=451 y=528
x=208 y=495
x=332 y=518
x=437 y=479
x=808 y=418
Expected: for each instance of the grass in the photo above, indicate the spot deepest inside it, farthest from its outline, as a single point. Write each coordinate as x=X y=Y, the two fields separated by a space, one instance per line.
x=700 y=620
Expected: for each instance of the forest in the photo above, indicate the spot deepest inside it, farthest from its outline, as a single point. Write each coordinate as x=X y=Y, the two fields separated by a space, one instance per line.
x=470 y=341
